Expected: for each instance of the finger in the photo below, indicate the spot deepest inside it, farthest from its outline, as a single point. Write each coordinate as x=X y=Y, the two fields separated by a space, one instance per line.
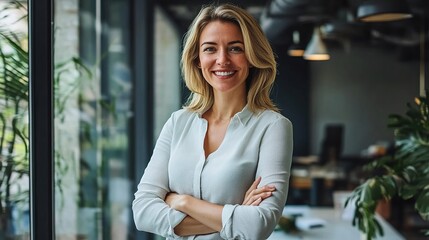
x=251 y=197
x=263 y=192
x=257 y=202
x=261 y=196
x=248 y=200
x=266 y=188
x=266 y=195
x=253 y=186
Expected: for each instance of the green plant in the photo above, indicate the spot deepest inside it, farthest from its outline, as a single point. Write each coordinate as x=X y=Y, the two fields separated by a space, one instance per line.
x=14 y=119
x=405 y=172
x=14 y=140
x=14 y=114
x=69 y=76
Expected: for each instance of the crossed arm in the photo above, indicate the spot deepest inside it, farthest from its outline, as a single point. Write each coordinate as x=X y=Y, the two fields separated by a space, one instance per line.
x=204 y=217
x=169 y=214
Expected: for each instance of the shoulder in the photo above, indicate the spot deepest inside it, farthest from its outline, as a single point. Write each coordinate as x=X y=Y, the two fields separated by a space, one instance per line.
x=272 y=117
x=182 y=115
x=276 y=125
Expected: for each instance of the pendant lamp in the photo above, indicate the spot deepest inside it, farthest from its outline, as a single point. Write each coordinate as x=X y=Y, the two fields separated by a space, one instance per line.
x=383 y=10
x=316 y=49
x=296 y=49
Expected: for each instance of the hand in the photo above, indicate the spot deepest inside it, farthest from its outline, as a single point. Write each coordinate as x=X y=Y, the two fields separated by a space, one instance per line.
x=174 y=200
x=255 y=195
x=188 y=226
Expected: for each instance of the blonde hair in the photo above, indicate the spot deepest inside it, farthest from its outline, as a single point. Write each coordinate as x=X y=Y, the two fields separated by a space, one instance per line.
x=257 y=50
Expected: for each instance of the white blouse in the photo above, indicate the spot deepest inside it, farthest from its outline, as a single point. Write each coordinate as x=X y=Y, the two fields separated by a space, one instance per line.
x=254 y=145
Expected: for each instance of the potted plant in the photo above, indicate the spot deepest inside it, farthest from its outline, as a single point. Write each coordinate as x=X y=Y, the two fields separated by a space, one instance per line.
x=404 y=172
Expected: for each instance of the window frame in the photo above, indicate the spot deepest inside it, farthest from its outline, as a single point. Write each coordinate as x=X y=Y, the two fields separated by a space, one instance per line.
x=42 y=217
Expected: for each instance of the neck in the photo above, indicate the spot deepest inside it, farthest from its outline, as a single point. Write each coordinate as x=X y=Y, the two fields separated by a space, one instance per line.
x=224 y=109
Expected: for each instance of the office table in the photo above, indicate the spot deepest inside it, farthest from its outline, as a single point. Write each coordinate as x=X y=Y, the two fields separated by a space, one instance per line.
x=335 y=228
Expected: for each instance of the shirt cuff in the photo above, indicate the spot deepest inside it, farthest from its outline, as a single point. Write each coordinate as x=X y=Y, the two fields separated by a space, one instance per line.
x=174 y=218
x=227 y=212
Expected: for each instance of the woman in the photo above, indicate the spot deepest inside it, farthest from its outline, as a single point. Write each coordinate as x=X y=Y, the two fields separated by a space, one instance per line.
x=220 y=167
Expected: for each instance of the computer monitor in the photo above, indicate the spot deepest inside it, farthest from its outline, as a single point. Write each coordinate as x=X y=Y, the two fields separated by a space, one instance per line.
x=332 y=143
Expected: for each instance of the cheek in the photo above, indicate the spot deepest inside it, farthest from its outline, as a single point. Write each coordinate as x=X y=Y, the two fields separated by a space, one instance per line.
x=205 y=68
x=245 y=62
x=205 y=62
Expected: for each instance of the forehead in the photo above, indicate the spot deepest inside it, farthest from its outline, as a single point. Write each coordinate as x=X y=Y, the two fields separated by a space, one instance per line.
x=221 y=30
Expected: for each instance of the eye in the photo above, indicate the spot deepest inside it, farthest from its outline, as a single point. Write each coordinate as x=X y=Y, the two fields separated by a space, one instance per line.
x=209 y=49
x=236 y=49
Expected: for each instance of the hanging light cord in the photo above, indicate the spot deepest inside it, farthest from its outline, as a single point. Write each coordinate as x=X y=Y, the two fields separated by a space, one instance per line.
x=422 y=59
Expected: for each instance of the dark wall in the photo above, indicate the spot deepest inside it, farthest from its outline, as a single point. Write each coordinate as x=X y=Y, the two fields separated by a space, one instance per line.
x=291 y=94
x=359 y=87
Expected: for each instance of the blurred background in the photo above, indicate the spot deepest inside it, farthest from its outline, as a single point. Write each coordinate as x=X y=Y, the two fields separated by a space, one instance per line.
x=117 y=80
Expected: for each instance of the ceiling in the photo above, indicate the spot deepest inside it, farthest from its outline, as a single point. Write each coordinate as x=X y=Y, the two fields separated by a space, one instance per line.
x=279 y=18
x=183 y=12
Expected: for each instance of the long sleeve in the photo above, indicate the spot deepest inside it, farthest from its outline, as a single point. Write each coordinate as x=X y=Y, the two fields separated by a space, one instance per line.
x=150 y=212
x=275 y=156
x=254 y=145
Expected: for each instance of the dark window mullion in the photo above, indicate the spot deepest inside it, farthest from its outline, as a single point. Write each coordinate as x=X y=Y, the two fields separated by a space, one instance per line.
x=142 y=19
x=41 y=120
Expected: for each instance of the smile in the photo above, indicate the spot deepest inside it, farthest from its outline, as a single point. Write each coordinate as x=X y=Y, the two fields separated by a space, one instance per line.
x=219 y=73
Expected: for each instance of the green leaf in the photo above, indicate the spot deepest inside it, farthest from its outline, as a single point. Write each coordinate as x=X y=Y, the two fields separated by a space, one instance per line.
x=395 y=121
x=422 y=203
x=408 y=191
x=388 y=187
x=410 y=173
x=412 y=112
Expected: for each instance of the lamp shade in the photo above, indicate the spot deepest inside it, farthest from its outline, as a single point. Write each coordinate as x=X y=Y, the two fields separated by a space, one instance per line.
x=297 y=48
x=383 y=10
x=316 y=49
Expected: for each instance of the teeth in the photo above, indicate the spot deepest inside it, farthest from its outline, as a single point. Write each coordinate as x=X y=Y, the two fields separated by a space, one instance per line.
x=224 y=73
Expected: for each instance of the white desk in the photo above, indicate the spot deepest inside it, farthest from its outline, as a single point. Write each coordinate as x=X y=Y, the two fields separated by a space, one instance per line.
x=335 y=228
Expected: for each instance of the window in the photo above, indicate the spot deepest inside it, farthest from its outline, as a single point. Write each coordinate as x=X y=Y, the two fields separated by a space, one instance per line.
x=99 y=89
x=14 y=124
x=93 y=92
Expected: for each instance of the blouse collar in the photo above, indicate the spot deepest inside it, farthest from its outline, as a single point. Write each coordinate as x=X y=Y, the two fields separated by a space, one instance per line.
x=243 y=116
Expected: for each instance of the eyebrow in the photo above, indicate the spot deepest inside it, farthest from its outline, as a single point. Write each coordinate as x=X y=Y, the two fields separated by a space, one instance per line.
x=230 y=43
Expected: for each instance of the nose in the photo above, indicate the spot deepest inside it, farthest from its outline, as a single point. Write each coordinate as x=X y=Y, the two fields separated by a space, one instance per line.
x=223 y=58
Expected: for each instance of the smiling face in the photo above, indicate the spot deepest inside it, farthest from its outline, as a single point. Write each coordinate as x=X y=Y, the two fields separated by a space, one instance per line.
x=222 y=59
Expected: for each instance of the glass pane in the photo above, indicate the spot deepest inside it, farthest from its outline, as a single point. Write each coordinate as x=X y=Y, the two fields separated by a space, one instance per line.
x=167 y=79
x=167 y=71
x=93 y=89
x=14 y=125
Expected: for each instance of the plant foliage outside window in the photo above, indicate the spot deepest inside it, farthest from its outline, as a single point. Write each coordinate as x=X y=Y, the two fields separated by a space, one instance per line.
x=14 y=140
x=14 y=117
